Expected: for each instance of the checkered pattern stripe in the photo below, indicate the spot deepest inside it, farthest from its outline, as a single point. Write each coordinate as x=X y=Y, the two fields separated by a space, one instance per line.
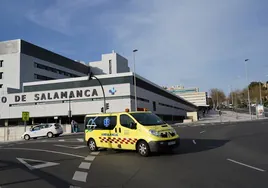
x=118 y=140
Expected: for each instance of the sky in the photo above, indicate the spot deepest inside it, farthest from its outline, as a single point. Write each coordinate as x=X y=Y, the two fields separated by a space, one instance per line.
x=180 y=42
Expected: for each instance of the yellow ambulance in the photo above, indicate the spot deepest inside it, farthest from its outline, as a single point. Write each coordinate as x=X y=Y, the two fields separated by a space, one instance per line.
x=142 y=131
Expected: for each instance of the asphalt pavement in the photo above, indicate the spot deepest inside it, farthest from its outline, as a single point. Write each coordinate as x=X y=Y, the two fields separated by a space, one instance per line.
x=222 y=155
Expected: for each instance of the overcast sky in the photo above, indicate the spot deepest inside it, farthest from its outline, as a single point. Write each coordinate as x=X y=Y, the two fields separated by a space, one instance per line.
x=195 y=43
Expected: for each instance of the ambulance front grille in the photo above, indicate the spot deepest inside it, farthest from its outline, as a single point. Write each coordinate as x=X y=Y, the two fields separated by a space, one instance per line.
x=166 y=134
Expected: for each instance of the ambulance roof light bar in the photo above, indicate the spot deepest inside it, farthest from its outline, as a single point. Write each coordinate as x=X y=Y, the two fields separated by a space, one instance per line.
x=139 y=109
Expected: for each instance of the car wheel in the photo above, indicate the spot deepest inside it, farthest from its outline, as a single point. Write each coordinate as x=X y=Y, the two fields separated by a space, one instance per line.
x=27 y=137
x=143 y=148
x=49 y=134
x=92 y=145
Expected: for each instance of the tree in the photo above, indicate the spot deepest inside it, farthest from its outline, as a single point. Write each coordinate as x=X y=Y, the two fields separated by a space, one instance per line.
x=238 y=97
x=254 y=92
x=217 y=96
x=210 y=102
x=241 y=99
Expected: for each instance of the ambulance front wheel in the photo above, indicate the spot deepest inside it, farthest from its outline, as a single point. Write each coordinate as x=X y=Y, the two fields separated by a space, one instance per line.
x=92 y=145
x=143 y=148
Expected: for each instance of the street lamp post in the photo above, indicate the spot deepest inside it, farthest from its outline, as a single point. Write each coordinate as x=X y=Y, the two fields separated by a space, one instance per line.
x=217 y=98
x=90 y=75
x=104 y=98
x=135 y=83
x=249 y=106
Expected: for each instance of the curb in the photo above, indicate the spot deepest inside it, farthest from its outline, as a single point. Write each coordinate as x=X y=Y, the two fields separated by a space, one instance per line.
x=10 y=142
x=71 y=134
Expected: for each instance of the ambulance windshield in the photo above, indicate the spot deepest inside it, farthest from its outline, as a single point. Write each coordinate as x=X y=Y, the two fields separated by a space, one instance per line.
x=148 y=119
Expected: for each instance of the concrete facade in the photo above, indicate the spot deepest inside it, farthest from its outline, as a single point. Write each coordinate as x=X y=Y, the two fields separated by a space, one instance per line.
x=197 y=98
x=34 y=66
x=192 y=95
x=24 y=62
x=110 y=64
x=10 y=71
x=82 y=96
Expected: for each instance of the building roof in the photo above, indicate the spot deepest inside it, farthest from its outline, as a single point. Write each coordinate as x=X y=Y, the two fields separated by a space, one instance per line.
x=27 y=48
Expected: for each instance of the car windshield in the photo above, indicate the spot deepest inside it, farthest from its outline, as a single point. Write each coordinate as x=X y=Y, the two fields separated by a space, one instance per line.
x=148 y=119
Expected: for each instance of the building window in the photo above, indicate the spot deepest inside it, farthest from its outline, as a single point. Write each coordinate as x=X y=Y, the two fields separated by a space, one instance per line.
x=1 y=85
x=154 y=106
x=1 y=75
x=1 y=63
x=41 y=77
x=51 y=69
x=110 y=66
x=142 y=99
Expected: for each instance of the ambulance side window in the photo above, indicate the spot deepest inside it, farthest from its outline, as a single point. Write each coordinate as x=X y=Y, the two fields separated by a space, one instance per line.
x=126 y=121
x=101 y=122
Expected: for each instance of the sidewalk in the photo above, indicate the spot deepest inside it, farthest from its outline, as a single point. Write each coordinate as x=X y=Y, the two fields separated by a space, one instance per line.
x=62 y=135
x=227 y=116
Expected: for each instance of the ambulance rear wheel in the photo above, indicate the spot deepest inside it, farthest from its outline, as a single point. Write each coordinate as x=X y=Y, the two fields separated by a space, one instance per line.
x=92 y=145
x=143 y=148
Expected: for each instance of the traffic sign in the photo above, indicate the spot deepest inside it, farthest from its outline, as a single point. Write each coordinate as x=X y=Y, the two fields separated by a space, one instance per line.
x=25 y=116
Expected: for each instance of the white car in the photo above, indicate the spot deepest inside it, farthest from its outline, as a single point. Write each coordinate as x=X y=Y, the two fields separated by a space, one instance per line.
x=49 y=130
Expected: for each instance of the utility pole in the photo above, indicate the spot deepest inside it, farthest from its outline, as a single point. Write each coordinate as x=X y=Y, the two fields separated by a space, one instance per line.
x=232 y=95
x=260 y=84
x=70 y=111
x=249 y=104
x=217 y=98
x=235 y=106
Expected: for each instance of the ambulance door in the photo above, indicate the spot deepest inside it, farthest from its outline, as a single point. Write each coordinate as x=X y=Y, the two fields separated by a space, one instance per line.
x=127 y=132
x=100 y=128
x=108 y=135
x=93 y=129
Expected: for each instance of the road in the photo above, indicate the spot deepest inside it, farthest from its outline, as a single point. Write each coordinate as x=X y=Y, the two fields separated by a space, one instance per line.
x=229 y=155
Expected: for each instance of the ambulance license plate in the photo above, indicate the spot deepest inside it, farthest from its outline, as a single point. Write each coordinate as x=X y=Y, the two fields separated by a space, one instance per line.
x=171 y=143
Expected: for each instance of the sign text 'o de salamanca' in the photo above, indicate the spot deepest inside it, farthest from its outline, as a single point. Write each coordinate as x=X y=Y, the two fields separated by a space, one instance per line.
x=56 y=95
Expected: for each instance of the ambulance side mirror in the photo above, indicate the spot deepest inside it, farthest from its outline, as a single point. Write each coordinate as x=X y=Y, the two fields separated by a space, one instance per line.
x=133 y=125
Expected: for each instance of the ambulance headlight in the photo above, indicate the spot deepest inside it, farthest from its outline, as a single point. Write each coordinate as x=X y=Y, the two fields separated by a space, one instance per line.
x=153 y=132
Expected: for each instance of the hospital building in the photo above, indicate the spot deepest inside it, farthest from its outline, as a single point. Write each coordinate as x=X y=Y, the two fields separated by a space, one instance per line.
x=52 y=87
